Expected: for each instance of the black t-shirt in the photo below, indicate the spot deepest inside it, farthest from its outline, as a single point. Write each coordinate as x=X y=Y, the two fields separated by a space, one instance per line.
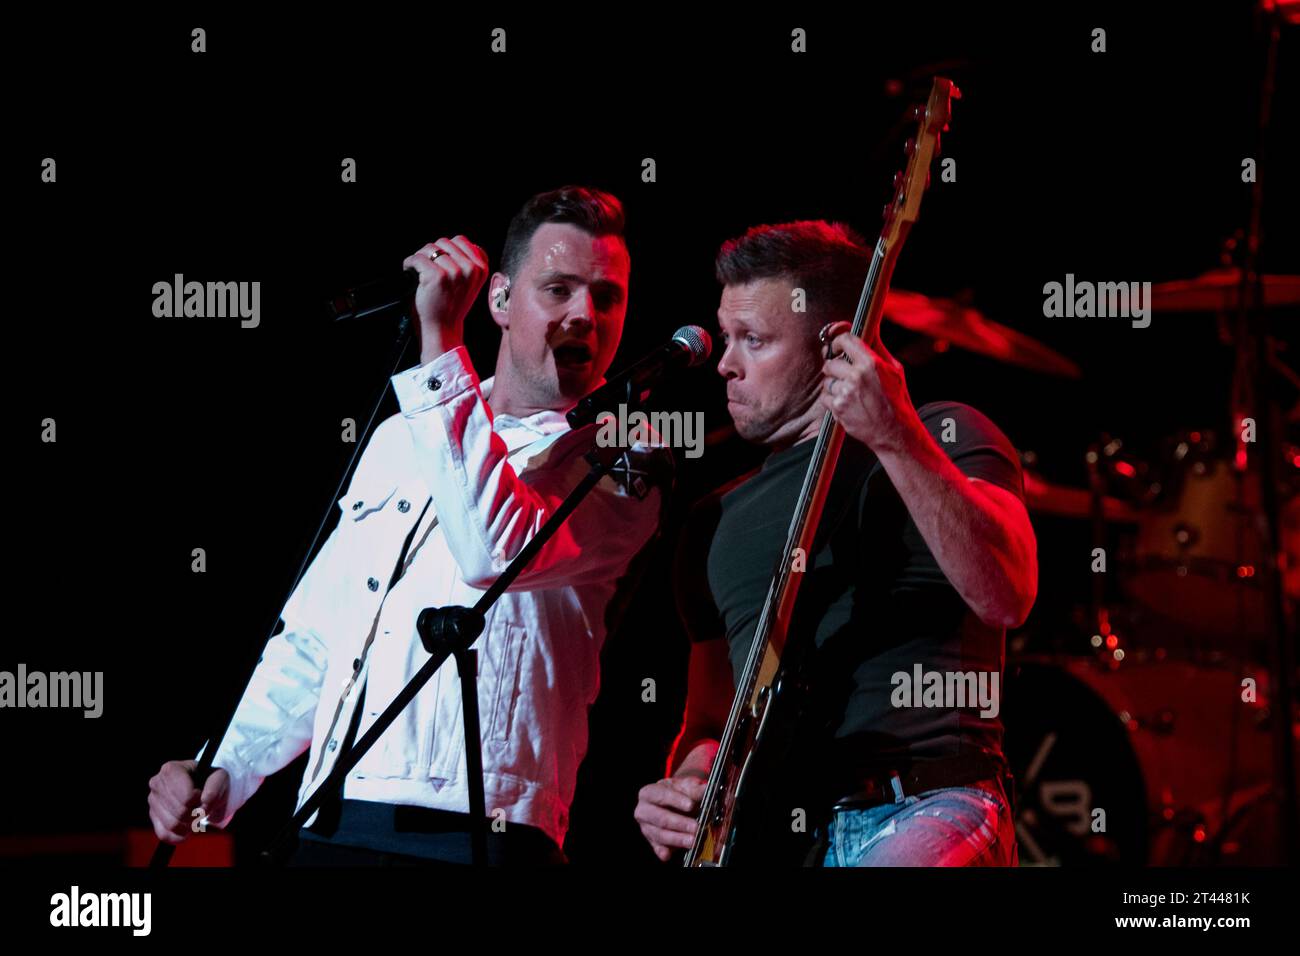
x=872 y=593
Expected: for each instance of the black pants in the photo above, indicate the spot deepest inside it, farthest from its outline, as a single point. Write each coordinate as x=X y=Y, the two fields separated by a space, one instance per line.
x=385 y=834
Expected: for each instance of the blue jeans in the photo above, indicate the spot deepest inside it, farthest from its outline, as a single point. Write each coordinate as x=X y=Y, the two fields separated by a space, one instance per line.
x=951 y=826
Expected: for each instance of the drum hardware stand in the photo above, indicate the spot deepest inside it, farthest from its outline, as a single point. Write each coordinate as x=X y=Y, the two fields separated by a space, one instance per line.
x=1253 y=347
x=1099 y=610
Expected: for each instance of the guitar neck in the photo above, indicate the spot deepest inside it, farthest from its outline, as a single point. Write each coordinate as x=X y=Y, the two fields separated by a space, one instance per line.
x=773 y=623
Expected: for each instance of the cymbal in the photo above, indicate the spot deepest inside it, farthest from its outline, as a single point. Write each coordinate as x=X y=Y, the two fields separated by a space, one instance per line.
x=1217 y=290
x=951 y=323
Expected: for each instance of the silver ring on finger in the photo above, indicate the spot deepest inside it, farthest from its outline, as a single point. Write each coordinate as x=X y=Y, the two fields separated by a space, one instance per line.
x=435 y=254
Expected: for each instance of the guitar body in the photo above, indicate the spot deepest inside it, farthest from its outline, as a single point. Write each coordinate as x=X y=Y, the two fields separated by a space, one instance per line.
x=774 y=813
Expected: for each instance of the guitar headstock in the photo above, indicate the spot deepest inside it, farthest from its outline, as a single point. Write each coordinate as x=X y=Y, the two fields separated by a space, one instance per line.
x=912 y=181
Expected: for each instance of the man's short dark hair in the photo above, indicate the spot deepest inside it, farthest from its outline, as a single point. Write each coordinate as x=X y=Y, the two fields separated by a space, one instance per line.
x=593 y=210
x=828 y=260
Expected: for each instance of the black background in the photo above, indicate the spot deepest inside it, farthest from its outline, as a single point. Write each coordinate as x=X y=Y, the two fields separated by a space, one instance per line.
x=183 y=433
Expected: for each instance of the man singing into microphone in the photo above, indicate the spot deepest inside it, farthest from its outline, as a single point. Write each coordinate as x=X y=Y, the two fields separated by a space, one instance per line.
x=925 y=557
x=446 y=493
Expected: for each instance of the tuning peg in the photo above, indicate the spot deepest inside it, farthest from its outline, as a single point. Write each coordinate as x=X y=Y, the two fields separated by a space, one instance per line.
x=898 y=179
x=909 y=146
x=918 y=111
x=884 y=213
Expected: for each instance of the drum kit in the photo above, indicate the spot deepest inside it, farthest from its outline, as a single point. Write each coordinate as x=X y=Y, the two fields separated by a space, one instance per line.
x=1146 y=734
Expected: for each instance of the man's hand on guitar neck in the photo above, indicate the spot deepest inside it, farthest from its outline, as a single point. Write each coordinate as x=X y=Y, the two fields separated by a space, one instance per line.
x=666 y=809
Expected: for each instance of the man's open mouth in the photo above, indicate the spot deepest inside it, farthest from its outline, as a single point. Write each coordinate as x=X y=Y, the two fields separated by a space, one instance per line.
x=572 y=355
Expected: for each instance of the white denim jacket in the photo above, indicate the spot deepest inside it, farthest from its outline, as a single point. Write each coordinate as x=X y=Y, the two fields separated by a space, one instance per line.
x=493 y=483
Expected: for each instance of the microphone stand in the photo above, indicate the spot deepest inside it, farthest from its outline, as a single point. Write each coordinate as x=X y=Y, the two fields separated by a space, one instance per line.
x=451 y=632
x=163 y=852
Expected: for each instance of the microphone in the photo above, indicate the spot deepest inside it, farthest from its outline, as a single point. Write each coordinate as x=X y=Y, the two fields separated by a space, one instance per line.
x=371 y=297
x=690 y=346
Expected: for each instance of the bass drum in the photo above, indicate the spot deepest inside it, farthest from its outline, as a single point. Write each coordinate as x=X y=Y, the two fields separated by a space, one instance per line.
x=1151 y=763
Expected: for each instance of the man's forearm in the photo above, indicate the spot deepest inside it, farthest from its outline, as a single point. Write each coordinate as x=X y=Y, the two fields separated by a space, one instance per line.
x=989 y=563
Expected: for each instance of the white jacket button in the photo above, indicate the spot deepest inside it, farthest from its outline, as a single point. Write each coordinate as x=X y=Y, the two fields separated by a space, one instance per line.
x=372 y=584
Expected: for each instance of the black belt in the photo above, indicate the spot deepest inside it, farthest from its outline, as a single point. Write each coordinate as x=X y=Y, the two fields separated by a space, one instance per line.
x=433 y=834
x=922 y=775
